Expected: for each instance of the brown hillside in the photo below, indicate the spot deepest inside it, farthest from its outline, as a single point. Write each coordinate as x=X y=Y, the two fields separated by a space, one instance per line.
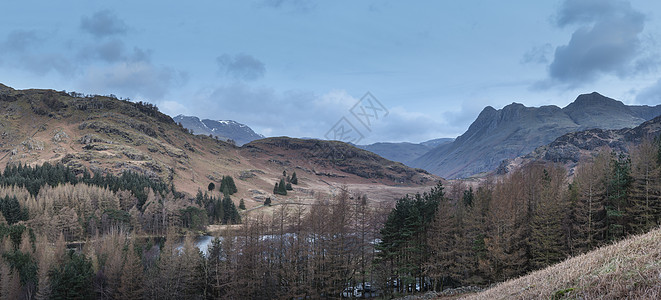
x=104 y=134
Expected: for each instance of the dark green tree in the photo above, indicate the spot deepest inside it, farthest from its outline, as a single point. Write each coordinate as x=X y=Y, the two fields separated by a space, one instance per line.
x=468 y=197
x=211 y=186
x=227 y=182
x=282 y=187
x=242 y=204
x=73 y=279
x=231 y=214
x=294 y=179
x=619 y=184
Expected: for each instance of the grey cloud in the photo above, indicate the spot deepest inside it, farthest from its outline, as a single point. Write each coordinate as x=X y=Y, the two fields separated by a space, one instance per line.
x=24 y=49
x=102 y=24
x=20 y=41
x=137 y=79
x=606 y=42
x=109 y=51
x=241 y=66
x=112 y=51
x=41 y=64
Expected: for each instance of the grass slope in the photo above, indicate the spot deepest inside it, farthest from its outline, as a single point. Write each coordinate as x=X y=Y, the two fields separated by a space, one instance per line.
x=628 y=269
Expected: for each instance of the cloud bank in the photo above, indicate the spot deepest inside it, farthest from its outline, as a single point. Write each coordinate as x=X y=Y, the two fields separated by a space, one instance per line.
x=606 y=41
x=103 y=23
x=241 y=66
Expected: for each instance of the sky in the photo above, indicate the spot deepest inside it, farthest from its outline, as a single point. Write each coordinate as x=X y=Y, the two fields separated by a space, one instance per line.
x=359 y=71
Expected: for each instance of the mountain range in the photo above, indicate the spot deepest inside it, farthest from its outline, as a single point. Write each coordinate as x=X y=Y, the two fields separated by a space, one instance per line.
x=404 y=152
x=223 y=129
x=516 y=130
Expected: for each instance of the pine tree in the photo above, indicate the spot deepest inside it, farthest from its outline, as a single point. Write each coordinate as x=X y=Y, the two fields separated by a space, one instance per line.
x=619 y=184
x=468 y=197
x=288 y=187
x=231 y=215
x=267 y=202
x=282 y=187
x=294 y=179
x=227 y=184
x=72 y=280
x=242 y=204
x=211 y=186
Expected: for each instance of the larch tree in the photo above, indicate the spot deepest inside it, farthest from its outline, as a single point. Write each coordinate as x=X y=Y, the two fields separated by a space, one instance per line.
x=644 y=202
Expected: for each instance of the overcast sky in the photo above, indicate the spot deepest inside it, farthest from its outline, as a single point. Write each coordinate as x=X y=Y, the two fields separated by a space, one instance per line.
x=298 y=67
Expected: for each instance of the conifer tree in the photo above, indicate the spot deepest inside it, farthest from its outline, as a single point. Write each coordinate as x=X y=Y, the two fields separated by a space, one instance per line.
x=211 y=186
x=619 y=184
x=231 y=215
x=227 y=183
x=281 y=187
x=644 y=205
x=294 y=179
x=242 y=204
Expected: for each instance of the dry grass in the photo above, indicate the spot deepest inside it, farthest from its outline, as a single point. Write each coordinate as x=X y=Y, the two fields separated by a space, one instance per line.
x=630 y=269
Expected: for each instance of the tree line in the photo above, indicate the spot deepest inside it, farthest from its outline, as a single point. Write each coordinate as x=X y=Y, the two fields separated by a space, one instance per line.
x=534 y=217
x=296 y=252
x=54 y=199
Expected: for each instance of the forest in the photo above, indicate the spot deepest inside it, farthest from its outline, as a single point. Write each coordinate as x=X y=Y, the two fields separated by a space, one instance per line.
x=82 y=236
x=534 y=217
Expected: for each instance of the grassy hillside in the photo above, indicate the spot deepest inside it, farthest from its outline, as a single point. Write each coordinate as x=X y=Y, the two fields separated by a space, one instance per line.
x=628 y=269
x=102 y=133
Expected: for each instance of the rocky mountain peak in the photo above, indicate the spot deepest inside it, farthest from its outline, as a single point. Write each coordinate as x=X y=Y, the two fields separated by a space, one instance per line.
x=593 y=100
x=223 y=129
x=516 y=130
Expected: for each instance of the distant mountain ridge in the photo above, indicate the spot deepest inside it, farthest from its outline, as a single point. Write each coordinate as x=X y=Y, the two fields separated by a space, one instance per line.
x=224 y=129
x=516 y=130
x=403 y=152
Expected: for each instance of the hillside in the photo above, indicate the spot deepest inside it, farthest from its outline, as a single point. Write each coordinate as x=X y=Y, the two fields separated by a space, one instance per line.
x=569 y=148
x=111 y=136
x=333 y=159
x=516 y=130
x=628 y=269
x=223 y=129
